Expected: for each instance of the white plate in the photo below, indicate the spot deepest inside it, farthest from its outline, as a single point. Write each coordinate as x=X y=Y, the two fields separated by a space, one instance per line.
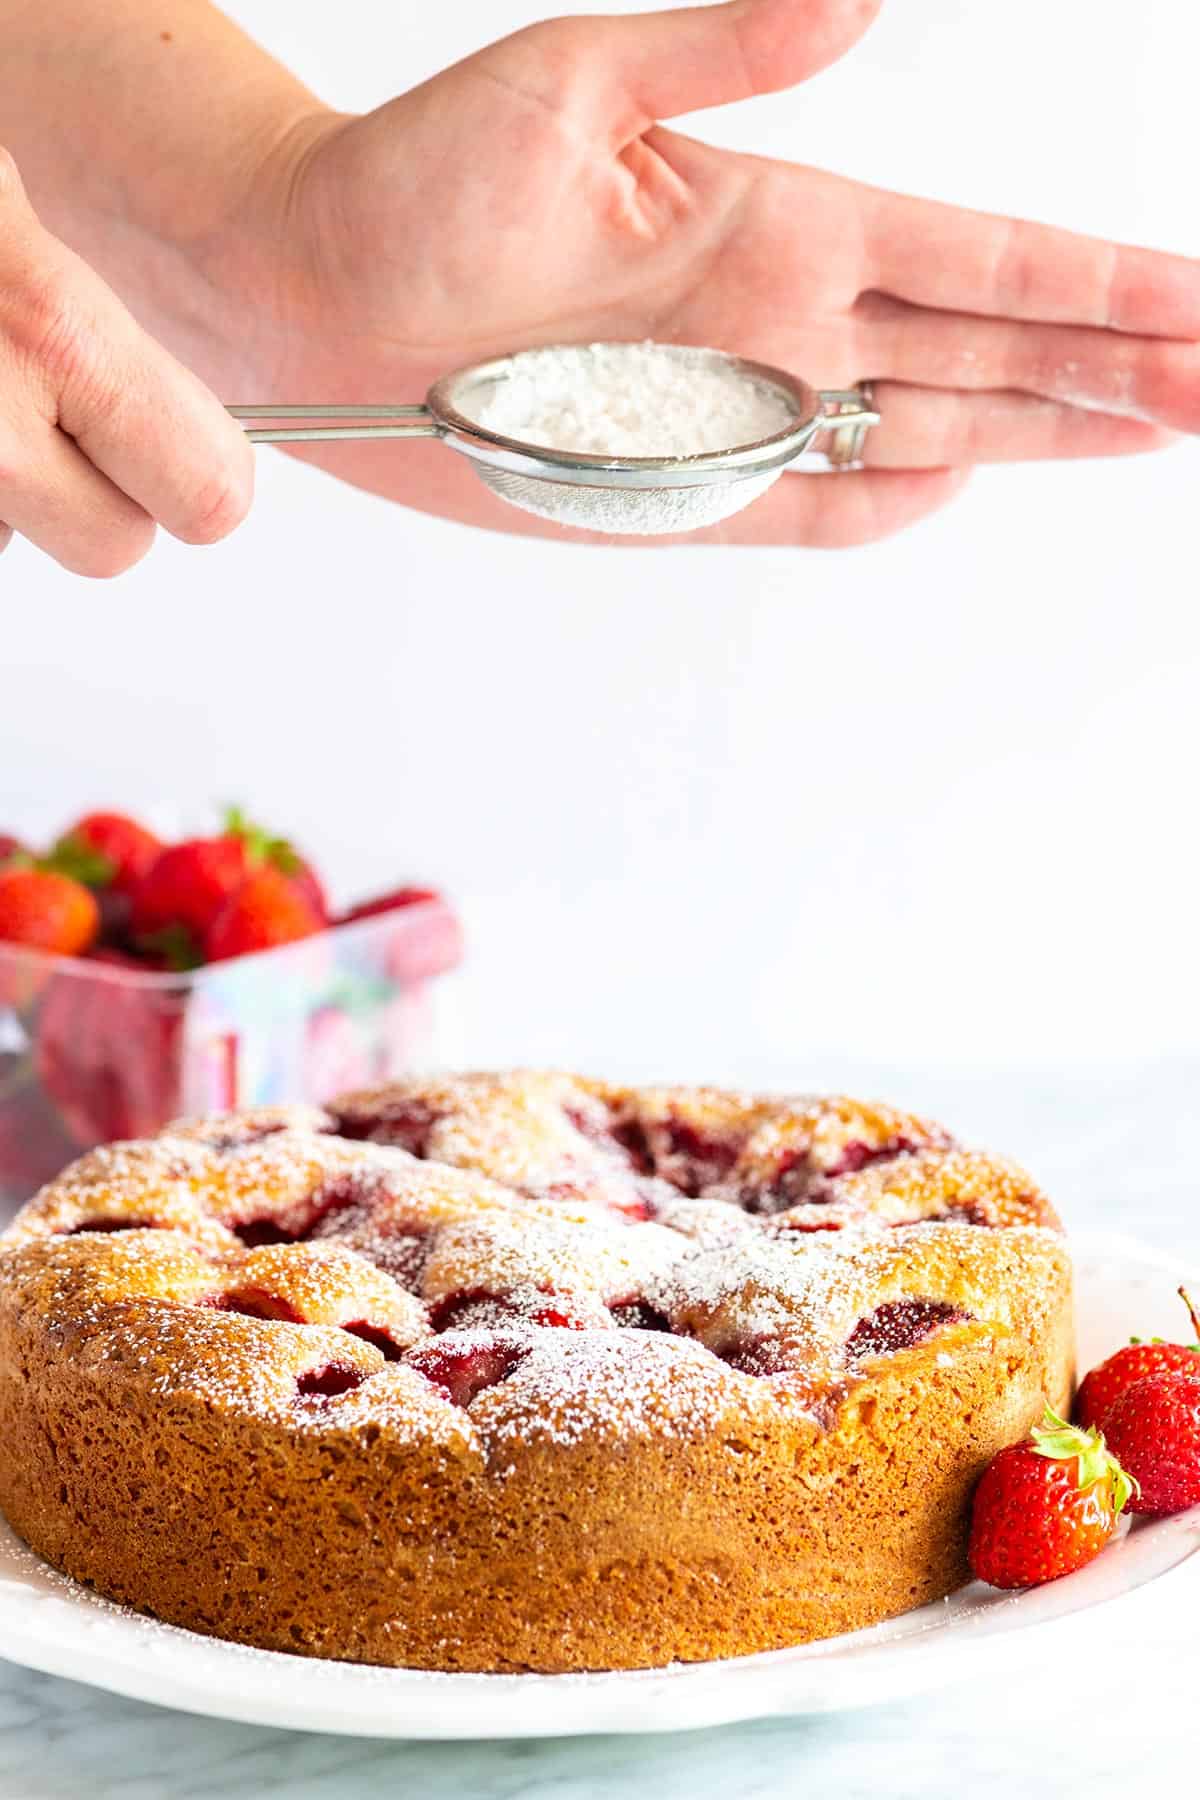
x=50 y=1623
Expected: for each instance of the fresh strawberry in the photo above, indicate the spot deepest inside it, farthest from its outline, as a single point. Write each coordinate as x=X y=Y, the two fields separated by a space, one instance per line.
x=266 y=910
x=391 y=902
x=1099 y=1390
x=1045 y=1506
x=1155 y=1430
x=185 y=889
x=108 y=850
x=110 y=1053
x=10 y=846
x=46 y=910
x=278 y=853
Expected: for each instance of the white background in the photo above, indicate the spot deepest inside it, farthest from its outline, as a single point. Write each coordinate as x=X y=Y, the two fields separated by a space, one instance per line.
x=709 y=811
x=727 y=813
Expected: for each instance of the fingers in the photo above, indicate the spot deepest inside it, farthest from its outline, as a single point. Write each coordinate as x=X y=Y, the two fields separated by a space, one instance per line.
x=154 y=430
x=57 y=499
x=660 y=64
x=947 y=257
x=102 y=433
x=1149 y=378
x=836 y=512
x=930 y=428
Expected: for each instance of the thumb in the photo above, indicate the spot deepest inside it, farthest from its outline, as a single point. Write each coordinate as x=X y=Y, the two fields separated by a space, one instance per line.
x=667 y=63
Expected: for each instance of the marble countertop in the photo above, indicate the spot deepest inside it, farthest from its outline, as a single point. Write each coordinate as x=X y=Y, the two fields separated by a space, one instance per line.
x=1115 y=1150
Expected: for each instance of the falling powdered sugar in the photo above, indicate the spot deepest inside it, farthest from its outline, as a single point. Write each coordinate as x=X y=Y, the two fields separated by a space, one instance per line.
x=631 y=400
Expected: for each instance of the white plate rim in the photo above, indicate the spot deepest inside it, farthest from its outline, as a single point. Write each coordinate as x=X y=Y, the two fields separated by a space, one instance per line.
x=52 y=1625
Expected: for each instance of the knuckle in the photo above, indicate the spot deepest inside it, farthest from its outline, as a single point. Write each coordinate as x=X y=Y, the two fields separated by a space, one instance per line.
x=546 y=63
x=218 y=507
x=50 y=327
x=556 y=36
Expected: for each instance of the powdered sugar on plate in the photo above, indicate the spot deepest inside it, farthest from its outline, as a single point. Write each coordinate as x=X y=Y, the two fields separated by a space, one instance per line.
x=631 y=400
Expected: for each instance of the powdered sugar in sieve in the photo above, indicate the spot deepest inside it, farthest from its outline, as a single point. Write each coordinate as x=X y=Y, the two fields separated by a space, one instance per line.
x=634 y=400
x=634 y=439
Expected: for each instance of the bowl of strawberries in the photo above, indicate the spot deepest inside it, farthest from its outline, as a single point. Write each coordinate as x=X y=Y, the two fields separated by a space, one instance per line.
x=141 y=979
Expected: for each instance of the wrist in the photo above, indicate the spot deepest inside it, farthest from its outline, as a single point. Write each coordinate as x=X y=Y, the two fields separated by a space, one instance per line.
x=232 y=276
x=170 y=157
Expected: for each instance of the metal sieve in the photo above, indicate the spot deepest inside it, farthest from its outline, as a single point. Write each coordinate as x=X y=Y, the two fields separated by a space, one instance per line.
x=626 y=495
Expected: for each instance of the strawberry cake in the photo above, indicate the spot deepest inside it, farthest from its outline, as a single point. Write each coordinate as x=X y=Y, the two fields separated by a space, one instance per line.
x=525 y=1372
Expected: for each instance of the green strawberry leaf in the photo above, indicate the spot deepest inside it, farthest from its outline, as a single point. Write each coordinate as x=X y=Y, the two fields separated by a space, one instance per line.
x=1124 y=1488
x=1061 y=1441
x=72 y=856
x=175 y=944
x=237 y=825
x=261 y=847
x=284 y=856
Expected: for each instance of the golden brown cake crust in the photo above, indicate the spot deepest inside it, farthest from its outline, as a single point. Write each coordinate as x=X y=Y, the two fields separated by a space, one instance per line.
x=525 y=1371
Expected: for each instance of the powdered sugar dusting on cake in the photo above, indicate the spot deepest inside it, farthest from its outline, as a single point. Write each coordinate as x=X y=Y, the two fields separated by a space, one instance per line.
x=811 y=1291
x=609 y=1386
x=643 y=1247
x=602 y=1256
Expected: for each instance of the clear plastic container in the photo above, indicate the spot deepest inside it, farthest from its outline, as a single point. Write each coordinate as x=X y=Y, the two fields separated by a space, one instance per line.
x=92 y=1051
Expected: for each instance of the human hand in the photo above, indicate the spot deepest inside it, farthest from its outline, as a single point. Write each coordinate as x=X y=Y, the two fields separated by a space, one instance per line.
x=528 y=195
x=103 y=435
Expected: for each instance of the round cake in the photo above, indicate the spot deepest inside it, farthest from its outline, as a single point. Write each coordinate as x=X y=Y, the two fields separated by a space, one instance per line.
x=525 y=1372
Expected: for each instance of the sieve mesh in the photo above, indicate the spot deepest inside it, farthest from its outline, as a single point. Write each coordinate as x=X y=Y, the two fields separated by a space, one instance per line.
x=631 y=512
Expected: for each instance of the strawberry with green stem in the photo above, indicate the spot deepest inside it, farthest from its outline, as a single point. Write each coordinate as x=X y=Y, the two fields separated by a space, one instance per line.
x=186 y=887
x=110 y=853
x=268 y=909
x=1104 y=1385
x=263 y=848
x=176 y=905
x=1046 y=1506
x=107 y=850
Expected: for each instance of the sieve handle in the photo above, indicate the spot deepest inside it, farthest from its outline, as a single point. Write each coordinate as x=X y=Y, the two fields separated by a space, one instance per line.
x=338 y=422
x=849 y=414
